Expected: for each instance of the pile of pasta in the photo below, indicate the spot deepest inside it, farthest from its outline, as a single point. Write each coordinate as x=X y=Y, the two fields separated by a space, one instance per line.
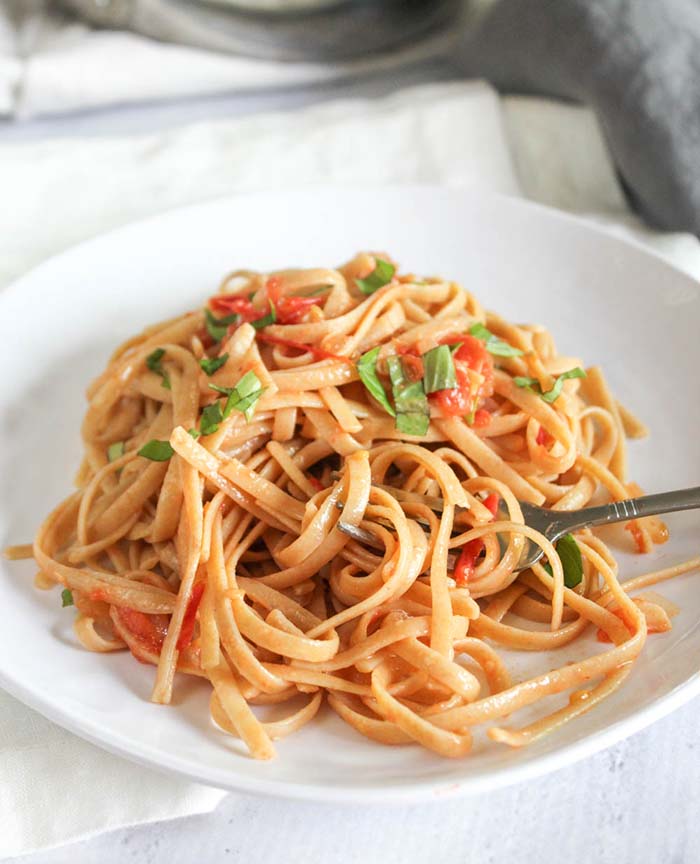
x=229 y=451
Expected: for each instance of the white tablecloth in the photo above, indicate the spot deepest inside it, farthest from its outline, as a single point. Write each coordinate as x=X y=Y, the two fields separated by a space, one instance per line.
x=58 y=192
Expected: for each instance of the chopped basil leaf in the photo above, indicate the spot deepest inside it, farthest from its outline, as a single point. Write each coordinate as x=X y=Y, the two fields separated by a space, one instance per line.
x=211 y=417
x=367 y=370
x=527 y=382
x=210 y=366
x=438 y=370
x=157 y=451
x=154 y=358
x=243 y=396
x=67 y=598
x=153 y=361
x=194 y=433
x=412 y=410
x=571 y=561
x=115 y=451
x=553 y=394
x=270 y=318
x=455 y=348
x=217 y=328
x=382 y=274
x=494 y=345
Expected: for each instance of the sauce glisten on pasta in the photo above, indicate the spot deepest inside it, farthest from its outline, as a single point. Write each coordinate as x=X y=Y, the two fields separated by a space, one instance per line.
x=223 y=447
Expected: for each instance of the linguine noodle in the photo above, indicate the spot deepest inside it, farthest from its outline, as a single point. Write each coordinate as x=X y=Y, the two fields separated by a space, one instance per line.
x=224 y=447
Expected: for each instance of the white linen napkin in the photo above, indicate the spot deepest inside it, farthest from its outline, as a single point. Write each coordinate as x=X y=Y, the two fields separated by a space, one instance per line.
x=56 y=193
x=52 y=63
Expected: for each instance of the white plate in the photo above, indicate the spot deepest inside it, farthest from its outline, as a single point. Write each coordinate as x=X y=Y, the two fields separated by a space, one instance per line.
x=607 y=302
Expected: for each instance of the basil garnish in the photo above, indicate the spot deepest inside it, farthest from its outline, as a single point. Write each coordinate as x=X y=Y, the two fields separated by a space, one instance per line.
x=412 y=409
x=438 y=370
x=549 y=395
x=571 y=561
x=157 y=451
x=213 y=364
x=367 y=370
x=153 y=361
x=494 y=345
x=115 y=451
x=242 y=397
x=382 y=274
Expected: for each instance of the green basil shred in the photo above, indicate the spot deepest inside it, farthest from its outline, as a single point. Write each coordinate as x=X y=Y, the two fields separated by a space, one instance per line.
x=242 y=397
x=494 y=345
x=382 y=274
x=412 y=409
x=154 y=363
x=67 y=598
x=217 y=328
x=270 y=318
x=549 y=395
x=367 y=370
x=211 y=417
x=213 y=364
x=571 y=561
x=438 y=370
x=157 y=451
x=115 y=451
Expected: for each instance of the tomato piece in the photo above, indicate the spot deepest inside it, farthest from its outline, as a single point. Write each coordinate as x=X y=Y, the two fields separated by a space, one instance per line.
x=466 y=563
x=188 y=621
x=290 y=310
x=544 y=439
x=301 y=346
x=148 y=630
x=457 y=401
x=316 y=483
x=412 y=366
x=637 y=535
x=491 y=503
x=460 y=400
x=227 y=304
x=482 y=418
x=273 y=288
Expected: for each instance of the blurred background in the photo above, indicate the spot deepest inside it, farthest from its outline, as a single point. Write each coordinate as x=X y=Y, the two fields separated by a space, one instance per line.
x=61 y=56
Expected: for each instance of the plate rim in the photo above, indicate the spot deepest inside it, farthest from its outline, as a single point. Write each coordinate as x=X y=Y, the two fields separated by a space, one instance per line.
x=392 y=792
x=475 y=191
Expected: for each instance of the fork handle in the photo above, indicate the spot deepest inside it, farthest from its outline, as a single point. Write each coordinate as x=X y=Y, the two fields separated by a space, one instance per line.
x=631 y=508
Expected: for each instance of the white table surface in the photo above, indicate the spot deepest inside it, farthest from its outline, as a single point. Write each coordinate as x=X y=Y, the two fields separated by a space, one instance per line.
x=636 y=802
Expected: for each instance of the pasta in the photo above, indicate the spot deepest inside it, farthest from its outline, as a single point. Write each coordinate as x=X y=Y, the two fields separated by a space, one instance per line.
x=229 y=450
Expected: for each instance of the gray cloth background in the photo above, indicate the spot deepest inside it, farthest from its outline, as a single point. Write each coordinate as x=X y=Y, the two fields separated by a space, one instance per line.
x=636 y=62
x=347 y=29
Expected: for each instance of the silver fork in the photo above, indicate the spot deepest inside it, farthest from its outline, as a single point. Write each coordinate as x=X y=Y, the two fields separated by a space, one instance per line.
x=552 y=523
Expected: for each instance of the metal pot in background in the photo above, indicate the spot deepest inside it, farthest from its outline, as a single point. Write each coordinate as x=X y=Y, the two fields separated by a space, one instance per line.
x=292 y=30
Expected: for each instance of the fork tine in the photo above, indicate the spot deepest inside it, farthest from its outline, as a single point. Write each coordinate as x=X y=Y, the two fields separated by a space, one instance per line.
x=366 y=537
x=431 y=501
x=359 y=534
